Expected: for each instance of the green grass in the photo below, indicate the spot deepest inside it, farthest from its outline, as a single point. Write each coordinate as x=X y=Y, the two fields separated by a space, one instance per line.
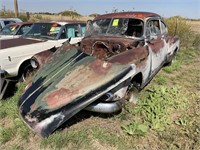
x=72 y=138
x=165 y=117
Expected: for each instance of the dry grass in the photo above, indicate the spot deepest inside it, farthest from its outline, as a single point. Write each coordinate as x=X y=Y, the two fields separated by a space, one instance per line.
x=195 y=26
x=58 y=17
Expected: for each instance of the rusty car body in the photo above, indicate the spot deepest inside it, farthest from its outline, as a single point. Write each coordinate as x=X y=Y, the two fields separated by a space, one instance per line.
x=15 y=30
x=15 y=54
x=120 y=53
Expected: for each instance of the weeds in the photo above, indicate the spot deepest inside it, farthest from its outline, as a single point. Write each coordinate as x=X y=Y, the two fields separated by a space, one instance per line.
x=135 y=128
x=107 y=138
x=72 y=138
x=178 y=26
x=6 y=134
x=156 y=107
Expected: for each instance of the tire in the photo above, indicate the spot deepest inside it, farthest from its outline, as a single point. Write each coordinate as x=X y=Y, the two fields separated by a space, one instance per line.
x=172 y=60
x=133 y=95
x=26 y=74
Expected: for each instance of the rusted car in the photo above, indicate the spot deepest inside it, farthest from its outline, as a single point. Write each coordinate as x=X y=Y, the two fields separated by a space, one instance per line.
x=119 y=55
x=14 y=30
x=15 y=54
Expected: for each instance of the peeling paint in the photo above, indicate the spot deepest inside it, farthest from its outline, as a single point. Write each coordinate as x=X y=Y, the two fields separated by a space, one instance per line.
x=75 y=77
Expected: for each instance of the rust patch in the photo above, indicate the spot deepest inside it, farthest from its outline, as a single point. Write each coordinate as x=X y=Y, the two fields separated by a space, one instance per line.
x=141 y=15
x=8 y=43
x=172 y=40
x=130 y=56
x=59 y=98
x=100 y=67
x=43 y=57
x=156 y=45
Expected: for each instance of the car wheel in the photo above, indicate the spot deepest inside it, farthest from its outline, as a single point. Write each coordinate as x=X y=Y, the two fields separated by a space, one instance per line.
x=172 y=60
x=133 y=94
x=26 y=74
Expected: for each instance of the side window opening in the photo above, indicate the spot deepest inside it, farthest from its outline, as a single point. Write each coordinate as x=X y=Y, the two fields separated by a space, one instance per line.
x=83 y=28
x=154 y=27
x=163 y=28
x=135 y=28
x=63 y=34
x=73 y=31
x=23 y=30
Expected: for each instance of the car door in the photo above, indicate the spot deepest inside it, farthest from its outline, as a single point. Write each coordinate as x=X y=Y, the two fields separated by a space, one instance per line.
x=156 y=44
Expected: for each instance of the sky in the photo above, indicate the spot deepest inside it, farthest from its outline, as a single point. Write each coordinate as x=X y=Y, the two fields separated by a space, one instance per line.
x=166 y=8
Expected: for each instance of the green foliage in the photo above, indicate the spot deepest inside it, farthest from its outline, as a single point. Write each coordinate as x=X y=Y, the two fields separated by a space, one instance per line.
x=178 y=26
x=70 y=13
x=6 y=134
x=157 y=105
x=94 y=15
x=105 y=136
x=135 y=128
x=10 y=14
x=161 y=79
x=8 y=107
x=39 y=17
x=196 y=42
x=72 y=138
x=174 y=67
x=184 y=120
x=7 y=13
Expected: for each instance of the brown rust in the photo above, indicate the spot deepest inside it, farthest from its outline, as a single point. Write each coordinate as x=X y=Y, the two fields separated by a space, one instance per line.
x=172 y=40
x=59 y=97
x=156 y=45
x=103 y=48
x=8 y=43
x=141 y=15
x=100 y=67
x=43 y=57
x=130 y=56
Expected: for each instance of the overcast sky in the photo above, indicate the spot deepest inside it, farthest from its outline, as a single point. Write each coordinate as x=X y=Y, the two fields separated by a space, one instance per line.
x=166 y=8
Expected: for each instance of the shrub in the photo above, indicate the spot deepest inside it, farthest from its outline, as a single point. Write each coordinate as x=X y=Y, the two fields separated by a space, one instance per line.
x=178 y=26
x=196 y=42
x=10 y=14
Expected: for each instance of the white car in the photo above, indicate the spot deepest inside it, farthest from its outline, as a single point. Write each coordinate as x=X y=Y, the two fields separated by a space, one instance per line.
x=15 y=54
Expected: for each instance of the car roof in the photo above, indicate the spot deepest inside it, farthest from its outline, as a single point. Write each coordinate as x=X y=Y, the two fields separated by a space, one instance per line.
x=63 y=22
x=134 y=14
x=21 y=23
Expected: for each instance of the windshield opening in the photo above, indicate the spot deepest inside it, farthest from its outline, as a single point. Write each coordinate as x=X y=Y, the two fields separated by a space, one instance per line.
x=44 y=31
x=9 y=30
x=116 y=26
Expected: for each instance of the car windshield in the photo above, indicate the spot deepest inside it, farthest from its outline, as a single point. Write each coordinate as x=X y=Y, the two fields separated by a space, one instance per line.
x=9 y=30
x=44 y=31
x=116 y=26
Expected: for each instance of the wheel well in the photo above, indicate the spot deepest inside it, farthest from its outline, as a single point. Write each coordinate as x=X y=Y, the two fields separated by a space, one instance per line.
x=137 y=80
x=176 y=49
x=23 y=66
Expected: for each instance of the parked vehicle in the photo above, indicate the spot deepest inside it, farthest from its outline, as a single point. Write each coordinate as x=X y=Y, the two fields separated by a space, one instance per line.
x=119 y=55
x=15 y=54
x=15 y=30
x=5 y=21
